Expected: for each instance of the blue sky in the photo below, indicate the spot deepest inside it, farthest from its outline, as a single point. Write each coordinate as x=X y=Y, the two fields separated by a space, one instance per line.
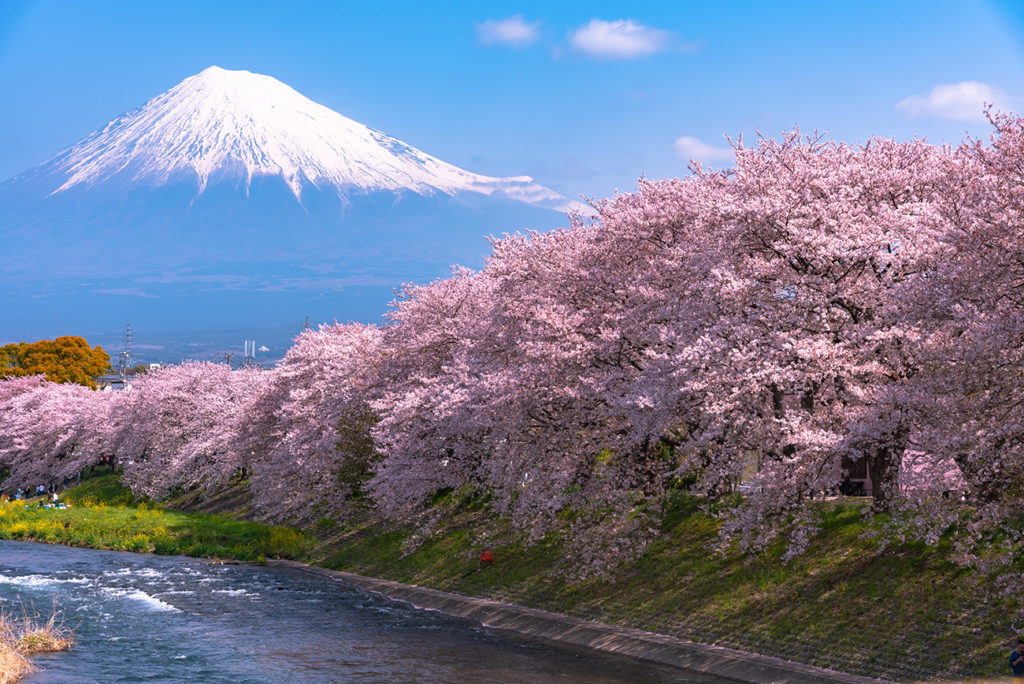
x=583 y=96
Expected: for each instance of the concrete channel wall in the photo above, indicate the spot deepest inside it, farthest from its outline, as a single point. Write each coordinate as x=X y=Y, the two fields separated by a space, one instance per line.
x=715 y=660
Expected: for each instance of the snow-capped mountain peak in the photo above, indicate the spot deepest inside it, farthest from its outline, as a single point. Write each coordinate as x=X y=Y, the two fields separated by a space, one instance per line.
x=222 y=123
x=230 y=201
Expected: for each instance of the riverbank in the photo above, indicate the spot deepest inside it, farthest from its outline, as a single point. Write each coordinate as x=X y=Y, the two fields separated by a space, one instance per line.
x=101 y=514
x=714 y=660
x=906 y=614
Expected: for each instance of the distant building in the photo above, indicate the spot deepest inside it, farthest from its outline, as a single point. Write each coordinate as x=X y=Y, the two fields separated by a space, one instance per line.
x=112 y=383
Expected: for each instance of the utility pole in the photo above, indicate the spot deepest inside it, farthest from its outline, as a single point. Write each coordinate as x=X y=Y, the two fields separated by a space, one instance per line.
x=125 y=357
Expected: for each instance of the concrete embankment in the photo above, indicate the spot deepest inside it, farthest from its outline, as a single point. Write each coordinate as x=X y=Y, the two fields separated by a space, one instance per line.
x=715 y=660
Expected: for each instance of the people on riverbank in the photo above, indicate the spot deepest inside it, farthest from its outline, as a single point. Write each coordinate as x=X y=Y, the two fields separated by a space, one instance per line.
x=1017 y=662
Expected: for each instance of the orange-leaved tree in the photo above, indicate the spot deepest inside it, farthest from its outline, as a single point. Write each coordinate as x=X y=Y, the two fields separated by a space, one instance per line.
x=65 y=359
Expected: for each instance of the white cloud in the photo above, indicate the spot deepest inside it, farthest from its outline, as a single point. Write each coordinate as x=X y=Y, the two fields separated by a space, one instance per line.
x=622 y=39
x=127 y=292
x=964 y=101
x=693 y=149
x=513 y=31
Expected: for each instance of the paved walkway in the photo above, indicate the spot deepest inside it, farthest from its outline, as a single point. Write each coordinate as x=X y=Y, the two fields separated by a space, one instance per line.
x=715 y=660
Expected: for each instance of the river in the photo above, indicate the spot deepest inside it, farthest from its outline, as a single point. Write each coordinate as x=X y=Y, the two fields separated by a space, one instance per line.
x=146 y=618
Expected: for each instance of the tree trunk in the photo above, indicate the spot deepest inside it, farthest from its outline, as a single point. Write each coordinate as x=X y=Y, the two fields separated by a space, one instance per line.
x=883 y=468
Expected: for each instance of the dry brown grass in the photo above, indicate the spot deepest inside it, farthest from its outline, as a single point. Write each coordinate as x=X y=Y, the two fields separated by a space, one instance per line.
x=47 y=638
x=13 y=665
x=26 y=635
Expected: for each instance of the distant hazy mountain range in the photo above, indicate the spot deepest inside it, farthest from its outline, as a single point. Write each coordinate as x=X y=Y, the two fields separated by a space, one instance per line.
x=231 y=200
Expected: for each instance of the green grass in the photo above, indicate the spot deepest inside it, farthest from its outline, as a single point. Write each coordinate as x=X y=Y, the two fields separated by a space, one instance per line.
x=105 y=488
x=104 y=515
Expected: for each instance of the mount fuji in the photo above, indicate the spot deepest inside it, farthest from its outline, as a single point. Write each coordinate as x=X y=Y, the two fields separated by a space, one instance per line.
x=231 y=200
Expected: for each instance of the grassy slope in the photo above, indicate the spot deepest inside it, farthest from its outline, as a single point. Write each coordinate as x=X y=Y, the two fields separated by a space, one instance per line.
x=906 y=614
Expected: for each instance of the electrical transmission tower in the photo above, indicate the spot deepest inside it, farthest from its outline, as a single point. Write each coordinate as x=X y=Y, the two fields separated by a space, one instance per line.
x=250 y=353
x=125 y=357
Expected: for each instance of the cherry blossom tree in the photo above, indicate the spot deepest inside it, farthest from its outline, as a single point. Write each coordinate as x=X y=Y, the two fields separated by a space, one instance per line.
x=308 y=436
x=737 y=316
x=966 y=402
x=48 y=431
x=829 y=238
x=179 y=425
x=534 y=380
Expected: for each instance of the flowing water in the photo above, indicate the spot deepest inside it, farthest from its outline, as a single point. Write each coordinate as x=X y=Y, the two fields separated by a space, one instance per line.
x=145 y=618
